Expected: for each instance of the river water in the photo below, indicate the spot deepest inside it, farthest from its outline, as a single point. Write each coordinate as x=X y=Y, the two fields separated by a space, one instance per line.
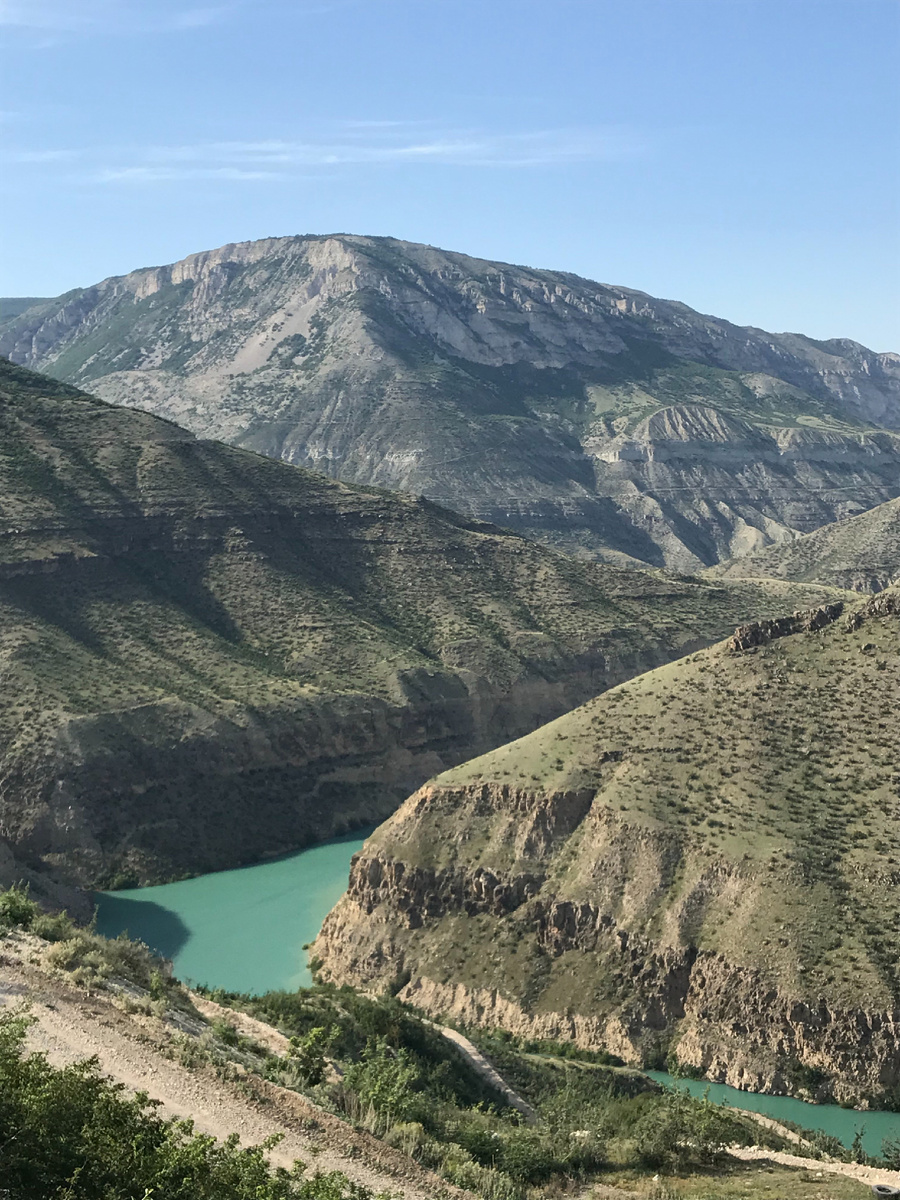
x=839 y=1122
x=241 y=930
x=244 y=931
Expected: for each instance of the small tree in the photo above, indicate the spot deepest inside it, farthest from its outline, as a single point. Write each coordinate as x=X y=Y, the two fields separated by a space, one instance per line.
x=386 y=1079
x=309 y=1053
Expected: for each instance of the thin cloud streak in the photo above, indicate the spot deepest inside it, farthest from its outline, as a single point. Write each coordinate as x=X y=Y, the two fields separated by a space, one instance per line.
x=537 y=148
x=177 y=174
x=385 y=145
x=104 y=16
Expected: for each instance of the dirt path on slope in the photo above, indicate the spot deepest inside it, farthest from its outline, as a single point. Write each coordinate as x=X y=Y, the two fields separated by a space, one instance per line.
x=486 y=1069
x=73 y=1025
x=869 y=1175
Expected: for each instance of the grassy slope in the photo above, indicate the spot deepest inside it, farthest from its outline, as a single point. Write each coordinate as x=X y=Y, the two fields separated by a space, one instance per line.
x=152 y=584
x=744 y=804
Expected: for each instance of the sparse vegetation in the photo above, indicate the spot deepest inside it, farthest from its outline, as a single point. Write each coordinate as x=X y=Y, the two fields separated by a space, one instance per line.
x=210 y=607
x=737 y=808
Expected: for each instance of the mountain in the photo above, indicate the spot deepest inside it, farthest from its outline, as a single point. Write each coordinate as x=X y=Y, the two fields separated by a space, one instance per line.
x=207 y=656
x=597 y=418
x=13 y=306
x=698 y=866
x=861 y=553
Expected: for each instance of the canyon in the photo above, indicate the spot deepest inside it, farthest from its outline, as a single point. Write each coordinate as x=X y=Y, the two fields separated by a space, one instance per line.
x=697 y=867
x=209 y=657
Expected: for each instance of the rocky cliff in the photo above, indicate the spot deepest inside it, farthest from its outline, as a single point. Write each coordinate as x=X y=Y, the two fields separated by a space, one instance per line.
x=698 y=866
x=594 y=417
x=207 y=657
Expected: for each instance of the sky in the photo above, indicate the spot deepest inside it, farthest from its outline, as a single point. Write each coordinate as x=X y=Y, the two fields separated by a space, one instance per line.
x=742 y=156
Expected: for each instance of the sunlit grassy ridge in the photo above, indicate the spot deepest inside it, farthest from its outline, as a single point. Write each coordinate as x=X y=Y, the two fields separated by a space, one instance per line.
x=862 y=552
x=737 y=810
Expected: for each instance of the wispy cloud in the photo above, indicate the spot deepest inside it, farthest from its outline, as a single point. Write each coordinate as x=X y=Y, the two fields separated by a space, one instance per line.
x=172 y=174
x=106 y=16
x=42 y=156
x=351 y=144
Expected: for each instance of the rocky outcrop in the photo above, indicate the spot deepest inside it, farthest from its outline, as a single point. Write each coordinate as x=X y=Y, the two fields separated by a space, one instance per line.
x=729 y=1021
x=760 y=633
x=594 y=417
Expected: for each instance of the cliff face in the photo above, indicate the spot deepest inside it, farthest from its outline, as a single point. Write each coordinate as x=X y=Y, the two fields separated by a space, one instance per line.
x=207 y=657
x=700 y=864
x=595 y=417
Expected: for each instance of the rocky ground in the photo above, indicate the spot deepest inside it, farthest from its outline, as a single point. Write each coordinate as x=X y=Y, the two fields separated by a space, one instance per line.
x=140 y=1052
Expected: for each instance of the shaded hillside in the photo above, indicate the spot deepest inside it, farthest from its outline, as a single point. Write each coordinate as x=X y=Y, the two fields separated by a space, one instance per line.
x=861 y=553
x=699 y=866
x=207 y=656
x=596 y=418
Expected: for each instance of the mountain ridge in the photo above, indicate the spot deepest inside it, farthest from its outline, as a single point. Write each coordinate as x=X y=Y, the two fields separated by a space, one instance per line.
x=518 y=396
x=698 y=866
x=209 y=656
x=861 y=554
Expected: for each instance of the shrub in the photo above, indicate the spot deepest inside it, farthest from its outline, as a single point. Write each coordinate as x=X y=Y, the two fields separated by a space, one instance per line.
x=17 y=909
x=53 y=927
x=309 y=1053
x=680 y=1130
x=70 y=1132
x=385 y=1079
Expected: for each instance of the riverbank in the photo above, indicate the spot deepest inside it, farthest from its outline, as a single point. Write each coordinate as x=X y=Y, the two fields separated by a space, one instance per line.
x=148 y=1052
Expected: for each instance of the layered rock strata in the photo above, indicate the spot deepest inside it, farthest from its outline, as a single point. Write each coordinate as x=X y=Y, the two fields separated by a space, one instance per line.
x=595 y=417
x=207 y=657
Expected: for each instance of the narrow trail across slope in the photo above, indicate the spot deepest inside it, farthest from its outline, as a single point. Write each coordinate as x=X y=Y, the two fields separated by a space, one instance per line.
x=869 y=1175
x=486 y=1069
x=131 y=1049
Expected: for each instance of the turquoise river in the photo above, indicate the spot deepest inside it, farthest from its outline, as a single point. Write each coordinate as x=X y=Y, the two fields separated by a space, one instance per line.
x=244 y=931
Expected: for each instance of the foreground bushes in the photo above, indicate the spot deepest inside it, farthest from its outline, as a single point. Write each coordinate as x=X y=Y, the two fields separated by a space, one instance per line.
x=71 y=1133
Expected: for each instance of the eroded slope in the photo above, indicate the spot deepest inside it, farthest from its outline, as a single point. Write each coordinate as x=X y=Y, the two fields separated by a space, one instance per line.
x=207 y=656
x=861 y=553
x=595 y=417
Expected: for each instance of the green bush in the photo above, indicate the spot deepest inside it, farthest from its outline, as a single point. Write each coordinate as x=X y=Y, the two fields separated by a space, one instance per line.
x=92 y=960
x=71 y=1133
x=386 y=1079
x=53 y=927
x=681 y=1131
x=309 y=1053
x=17 y=909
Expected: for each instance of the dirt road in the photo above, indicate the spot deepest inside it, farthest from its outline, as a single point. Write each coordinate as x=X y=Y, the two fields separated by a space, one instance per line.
x=131 y=1049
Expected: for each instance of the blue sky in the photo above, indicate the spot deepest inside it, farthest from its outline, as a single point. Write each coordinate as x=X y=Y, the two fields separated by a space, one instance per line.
x=740 y=155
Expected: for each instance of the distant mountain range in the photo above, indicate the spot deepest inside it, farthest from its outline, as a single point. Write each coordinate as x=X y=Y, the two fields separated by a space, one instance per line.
x=598 y=418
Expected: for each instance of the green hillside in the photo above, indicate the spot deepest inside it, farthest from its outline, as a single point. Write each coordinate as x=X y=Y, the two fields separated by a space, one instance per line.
x=208 y=656
x=698 y=866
